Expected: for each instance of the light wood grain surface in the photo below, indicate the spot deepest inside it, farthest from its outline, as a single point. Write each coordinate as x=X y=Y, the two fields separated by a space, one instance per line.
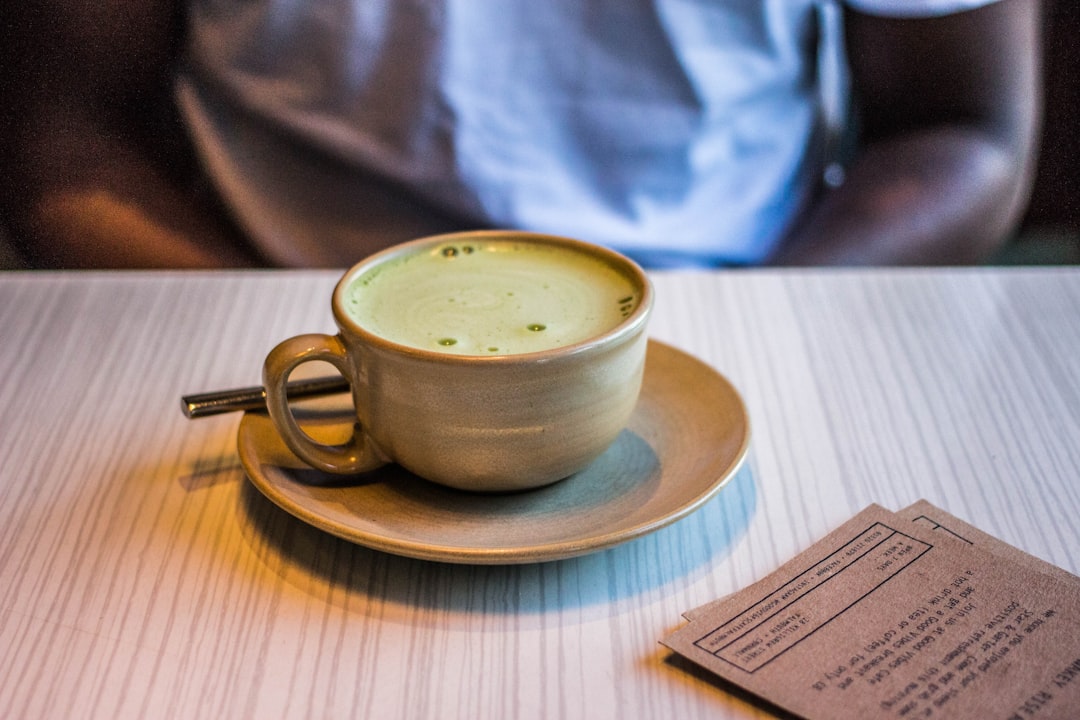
x=141 y=575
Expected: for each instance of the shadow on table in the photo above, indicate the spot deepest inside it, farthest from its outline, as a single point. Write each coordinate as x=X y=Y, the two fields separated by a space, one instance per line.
x=642 y=570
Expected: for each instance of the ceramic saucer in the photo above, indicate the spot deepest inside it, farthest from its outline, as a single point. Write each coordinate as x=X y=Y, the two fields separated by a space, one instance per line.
x=687 y=437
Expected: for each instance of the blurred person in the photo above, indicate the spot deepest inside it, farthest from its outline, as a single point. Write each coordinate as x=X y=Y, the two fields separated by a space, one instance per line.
x=267 y=132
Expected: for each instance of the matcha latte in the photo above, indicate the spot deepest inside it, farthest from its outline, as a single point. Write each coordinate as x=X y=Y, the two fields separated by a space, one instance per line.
x=491 y=297
x=488 y=361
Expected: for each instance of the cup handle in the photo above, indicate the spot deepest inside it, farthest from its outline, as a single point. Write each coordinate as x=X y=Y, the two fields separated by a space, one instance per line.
x=359 y=454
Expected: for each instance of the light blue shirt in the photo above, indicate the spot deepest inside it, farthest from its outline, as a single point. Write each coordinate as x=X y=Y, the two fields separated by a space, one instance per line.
x=681 y=132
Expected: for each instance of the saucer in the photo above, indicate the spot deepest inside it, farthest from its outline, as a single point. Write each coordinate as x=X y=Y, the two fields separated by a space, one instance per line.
x=687 y=437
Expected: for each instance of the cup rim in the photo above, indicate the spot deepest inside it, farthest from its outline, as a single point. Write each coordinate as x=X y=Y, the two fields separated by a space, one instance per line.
x=629 y=326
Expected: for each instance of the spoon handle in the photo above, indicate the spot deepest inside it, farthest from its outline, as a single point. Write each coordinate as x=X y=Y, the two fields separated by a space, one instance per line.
x=254 y=398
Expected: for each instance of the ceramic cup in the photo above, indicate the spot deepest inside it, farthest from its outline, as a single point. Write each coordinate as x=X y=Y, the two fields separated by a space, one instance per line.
x=486 y=361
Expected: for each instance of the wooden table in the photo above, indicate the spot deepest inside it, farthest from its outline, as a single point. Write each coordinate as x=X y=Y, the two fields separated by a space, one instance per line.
x=141 y=575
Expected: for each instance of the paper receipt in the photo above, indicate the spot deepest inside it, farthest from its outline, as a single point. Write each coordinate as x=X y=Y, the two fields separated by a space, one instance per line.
x=891 y=617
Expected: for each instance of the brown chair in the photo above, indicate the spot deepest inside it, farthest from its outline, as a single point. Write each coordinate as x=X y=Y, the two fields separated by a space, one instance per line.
x=1050 y=232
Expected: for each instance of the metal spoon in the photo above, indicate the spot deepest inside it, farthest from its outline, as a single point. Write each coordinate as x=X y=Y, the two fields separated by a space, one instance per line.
x=254 y=398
